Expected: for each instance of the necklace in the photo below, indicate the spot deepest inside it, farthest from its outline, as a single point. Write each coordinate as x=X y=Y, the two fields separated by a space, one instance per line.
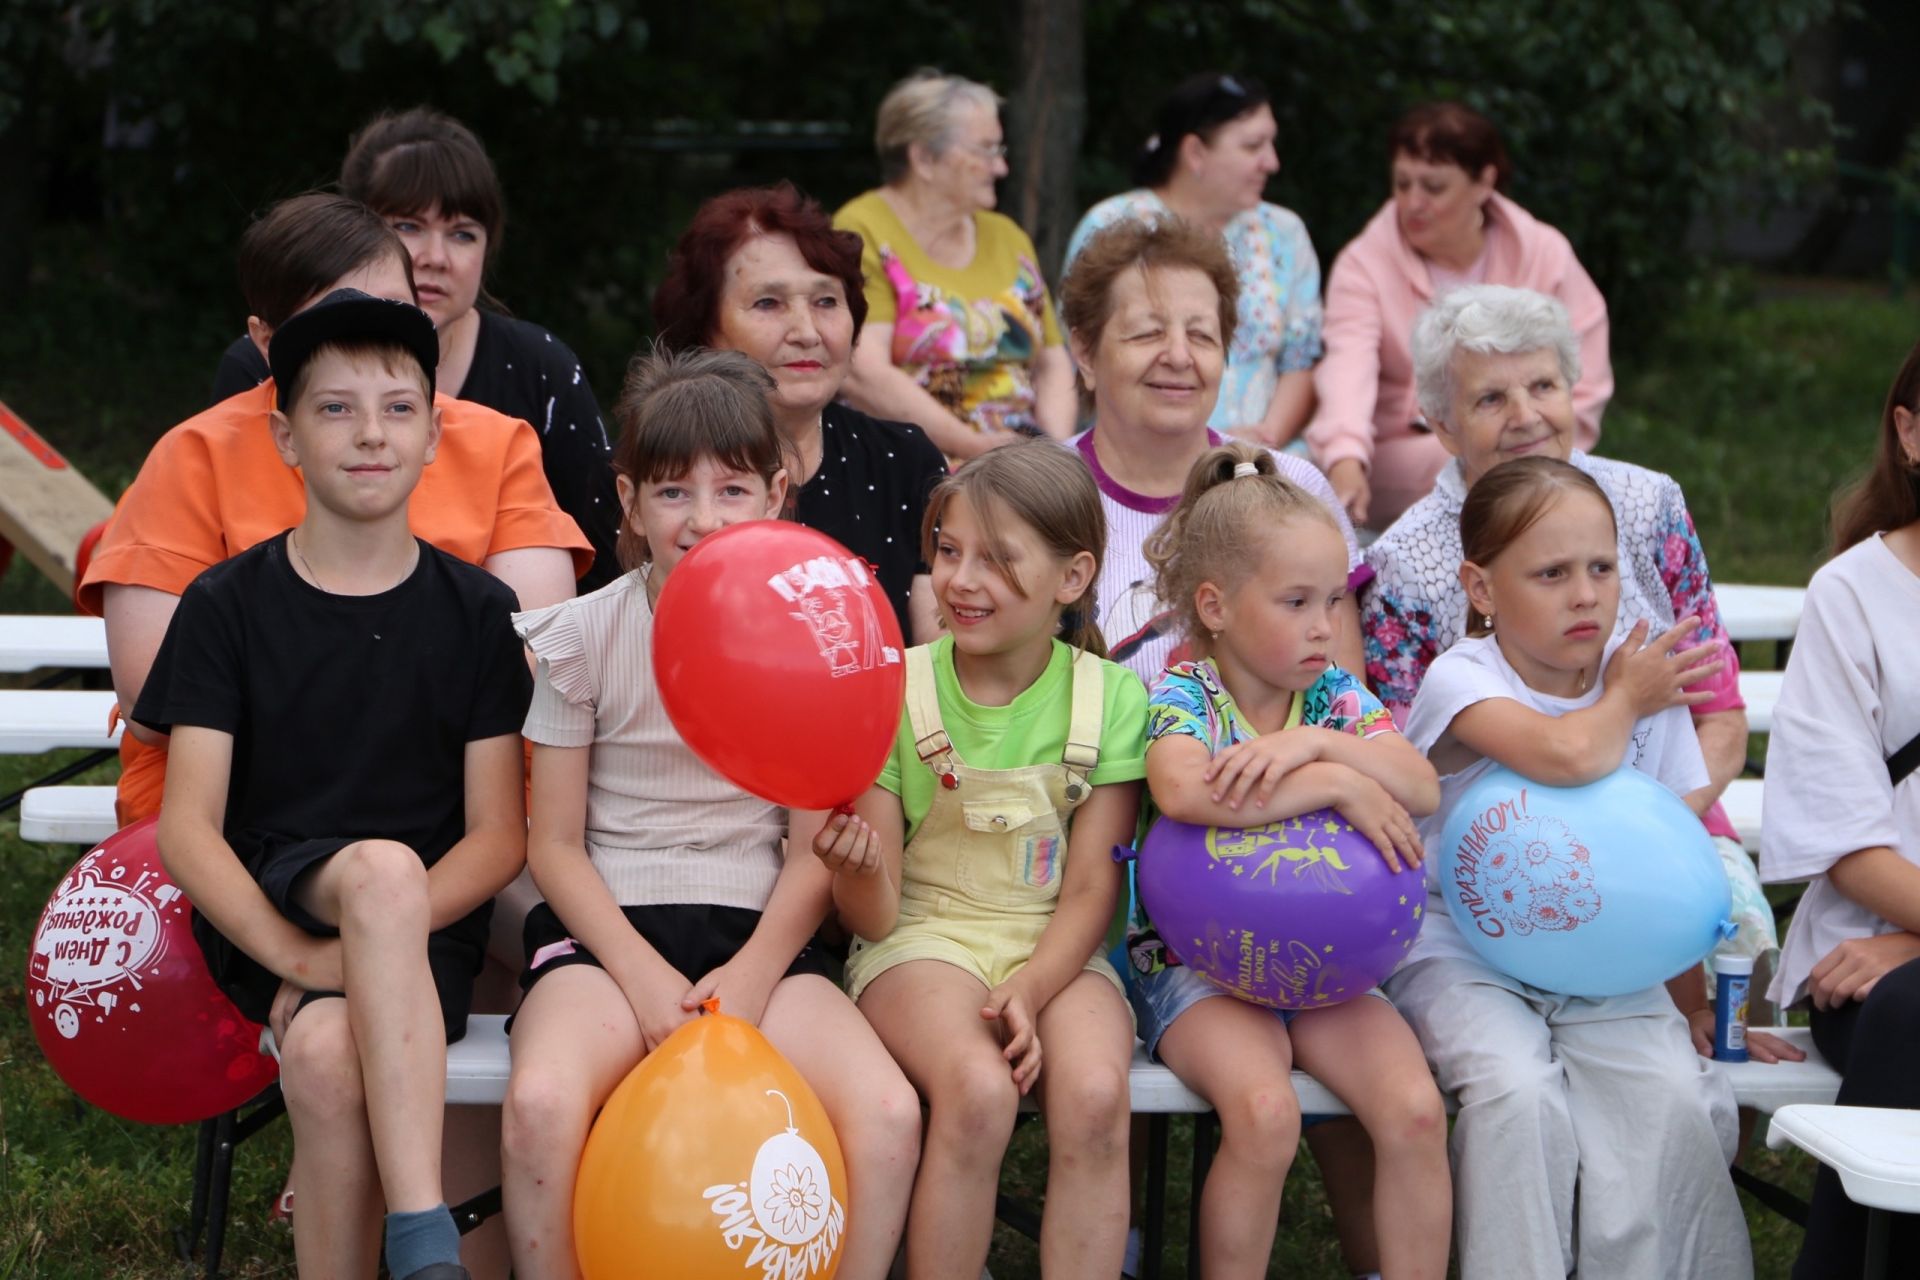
x=294 y=542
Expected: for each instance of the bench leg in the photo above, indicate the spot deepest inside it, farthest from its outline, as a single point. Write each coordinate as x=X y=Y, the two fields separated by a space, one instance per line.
x=187 y=1243
x=1876 y=1268
x=219 y=1185
x=1153 y=1229
x=1204 y=1132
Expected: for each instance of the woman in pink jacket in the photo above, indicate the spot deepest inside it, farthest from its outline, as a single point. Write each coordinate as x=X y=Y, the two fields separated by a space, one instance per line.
x=1446 y=225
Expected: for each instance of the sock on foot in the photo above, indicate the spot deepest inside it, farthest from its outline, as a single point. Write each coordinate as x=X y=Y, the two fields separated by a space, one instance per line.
x=416 y=1241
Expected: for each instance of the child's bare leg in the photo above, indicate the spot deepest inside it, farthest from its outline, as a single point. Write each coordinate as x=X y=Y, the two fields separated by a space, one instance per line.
x=1237 y=1056
x=574 y=1039
x=375 y=892
x=336 y=1231
x=1086 y=1045
x=875 y=1113
x=927 y=1013
x=1345 y=1156
x=1367 y=1054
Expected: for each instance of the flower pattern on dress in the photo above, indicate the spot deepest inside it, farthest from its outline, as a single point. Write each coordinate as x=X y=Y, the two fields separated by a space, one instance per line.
x=1189 y=700
x=1277 y=321
x=974 y=355
x=1415 y=608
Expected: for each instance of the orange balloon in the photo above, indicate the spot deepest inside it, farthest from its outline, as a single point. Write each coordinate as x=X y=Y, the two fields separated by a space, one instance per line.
x=711 y=1159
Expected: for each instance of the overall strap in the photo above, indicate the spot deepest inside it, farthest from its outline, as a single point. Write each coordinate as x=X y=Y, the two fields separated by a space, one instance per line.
x=1904 y=761
x=1082 y=752
x=923 y=710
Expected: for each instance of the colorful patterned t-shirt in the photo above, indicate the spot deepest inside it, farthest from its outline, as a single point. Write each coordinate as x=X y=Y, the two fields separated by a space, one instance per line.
x=967 y=335
x=1190 y=700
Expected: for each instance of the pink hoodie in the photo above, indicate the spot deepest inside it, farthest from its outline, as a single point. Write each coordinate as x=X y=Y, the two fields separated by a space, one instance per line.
x=1364 y=383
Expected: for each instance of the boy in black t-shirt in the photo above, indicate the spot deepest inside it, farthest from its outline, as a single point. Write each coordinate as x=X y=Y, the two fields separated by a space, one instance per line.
x=344 y=796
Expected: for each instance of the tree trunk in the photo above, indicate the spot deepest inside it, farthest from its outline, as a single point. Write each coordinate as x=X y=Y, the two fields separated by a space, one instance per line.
x=1046 y=119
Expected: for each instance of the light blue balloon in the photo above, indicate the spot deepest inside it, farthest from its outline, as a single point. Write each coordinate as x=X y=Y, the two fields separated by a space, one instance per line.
x=1586 y=891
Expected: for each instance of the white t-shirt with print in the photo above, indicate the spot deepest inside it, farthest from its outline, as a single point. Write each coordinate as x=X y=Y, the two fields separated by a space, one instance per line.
x=1663 y=746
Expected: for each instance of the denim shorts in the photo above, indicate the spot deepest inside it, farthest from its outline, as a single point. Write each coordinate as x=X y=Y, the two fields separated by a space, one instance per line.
x=1160 y=998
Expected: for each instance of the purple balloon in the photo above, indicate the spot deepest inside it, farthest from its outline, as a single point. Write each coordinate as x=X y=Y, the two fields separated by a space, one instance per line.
x=1298 y=914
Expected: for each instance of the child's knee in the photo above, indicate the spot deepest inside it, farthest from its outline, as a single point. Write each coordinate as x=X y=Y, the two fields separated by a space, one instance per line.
x=1090 y=1113
x=977 y=1102
x=1265 y=1120
x=320 y=1064
x=1414 y=1119
x=887 y=1128
x=542 y=1110
x=385 y=883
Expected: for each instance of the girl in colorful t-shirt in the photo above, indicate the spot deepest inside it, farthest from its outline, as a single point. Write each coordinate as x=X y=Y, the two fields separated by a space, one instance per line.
x=665 y=884
x=1259 y=728
x=1015 y=773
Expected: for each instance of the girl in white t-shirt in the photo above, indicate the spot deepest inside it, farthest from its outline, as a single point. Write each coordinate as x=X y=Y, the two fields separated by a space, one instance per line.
x=1843 y=812
x=1562 y=1094
x=665 y=883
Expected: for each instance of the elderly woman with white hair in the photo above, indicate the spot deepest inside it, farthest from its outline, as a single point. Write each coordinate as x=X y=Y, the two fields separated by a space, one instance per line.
x=960 y=337
x=1495 y=369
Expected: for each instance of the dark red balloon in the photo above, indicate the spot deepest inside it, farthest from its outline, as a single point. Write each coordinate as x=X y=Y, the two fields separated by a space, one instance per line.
x=121 y=1000
x=780 y=662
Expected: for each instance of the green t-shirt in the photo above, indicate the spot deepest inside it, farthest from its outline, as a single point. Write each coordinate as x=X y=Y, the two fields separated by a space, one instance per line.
x=1032 y=729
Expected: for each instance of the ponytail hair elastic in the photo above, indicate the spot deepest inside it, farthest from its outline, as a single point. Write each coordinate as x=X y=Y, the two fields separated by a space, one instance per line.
x=1244 y=469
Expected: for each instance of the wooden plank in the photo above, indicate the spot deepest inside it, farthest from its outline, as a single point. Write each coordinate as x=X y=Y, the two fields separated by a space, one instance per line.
x=46 y=506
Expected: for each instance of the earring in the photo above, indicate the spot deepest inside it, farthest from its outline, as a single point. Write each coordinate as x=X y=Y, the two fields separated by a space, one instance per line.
x=1487 y=618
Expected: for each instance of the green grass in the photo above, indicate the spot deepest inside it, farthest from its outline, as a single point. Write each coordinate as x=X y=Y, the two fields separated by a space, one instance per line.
x=1760 y=405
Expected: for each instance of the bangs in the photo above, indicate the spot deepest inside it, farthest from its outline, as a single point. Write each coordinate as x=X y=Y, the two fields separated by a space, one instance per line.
x=363 y=354
x=416 y=176
x=987 y=511
x=684 y=423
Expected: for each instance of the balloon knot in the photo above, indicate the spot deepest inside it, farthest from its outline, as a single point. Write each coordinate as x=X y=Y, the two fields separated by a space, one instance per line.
x=710 y=1005
x=1124 y=853
x=1727 y=930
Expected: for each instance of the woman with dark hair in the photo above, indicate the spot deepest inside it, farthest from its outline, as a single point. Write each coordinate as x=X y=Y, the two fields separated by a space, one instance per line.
x=1208 y=162
x=1843 y=812
x=1447 y=224
x=763 y=271
x=429 y=177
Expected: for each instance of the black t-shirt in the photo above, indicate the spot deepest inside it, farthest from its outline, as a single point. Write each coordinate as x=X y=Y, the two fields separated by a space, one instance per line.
x=350 y=715
x=523 y=371
x=870 y=494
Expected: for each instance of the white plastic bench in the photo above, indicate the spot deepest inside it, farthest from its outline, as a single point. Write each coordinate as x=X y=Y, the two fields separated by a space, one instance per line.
x=68 y=815
x=1759 y=613
x=29 y=642
x=33 y=721
x=1876 y=1152
x=1760 y=690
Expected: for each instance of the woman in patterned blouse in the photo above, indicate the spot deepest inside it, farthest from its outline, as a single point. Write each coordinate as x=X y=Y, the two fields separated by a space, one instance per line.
x=1208 y=162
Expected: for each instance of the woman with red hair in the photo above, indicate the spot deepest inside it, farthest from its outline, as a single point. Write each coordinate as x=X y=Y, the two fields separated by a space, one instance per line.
x=762 y=271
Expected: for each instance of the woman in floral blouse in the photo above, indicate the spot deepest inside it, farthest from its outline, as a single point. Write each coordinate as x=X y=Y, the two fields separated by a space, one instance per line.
x=1208 y=162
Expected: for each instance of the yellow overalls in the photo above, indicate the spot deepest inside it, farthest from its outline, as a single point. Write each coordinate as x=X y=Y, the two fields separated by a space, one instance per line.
x=982 y=873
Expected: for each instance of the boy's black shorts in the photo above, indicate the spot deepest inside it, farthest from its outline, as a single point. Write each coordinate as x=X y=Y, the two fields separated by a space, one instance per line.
x=454 y=954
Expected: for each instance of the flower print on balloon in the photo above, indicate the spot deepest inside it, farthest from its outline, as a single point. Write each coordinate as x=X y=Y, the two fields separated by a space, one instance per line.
x=1539 y=876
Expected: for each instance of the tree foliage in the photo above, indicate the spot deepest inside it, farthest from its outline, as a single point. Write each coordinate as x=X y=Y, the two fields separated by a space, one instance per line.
x=138 y=136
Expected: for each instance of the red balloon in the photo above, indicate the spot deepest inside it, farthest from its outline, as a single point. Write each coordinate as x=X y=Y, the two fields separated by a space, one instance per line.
x=779 y=661
x=121 y=1000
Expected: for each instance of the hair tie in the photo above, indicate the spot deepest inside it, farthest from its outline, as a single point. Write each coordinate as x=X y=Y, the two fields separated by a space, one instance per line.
x=1243 y=469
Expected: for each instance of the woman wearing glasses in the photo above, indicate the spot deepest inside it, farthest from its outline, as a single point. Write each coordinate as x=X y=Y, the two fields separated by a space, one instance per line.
x=1208 y=163
x=960 y=337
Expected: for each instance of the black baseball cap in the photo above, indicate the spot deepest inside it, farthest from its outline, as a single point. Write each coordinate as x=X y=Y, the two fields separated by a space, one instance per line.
x=348 y=315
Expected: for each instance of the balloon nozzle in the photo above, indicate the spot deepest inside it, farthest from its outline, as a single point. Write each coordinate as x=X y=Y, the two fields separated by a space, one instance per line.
x=710 y=1005
x=1727 y=929
x=1124 y=853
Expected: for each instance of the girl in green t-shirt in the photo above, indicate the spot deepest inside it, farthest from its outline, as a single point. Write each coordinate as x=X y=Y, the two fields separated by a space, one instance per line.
x=1016 y=770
